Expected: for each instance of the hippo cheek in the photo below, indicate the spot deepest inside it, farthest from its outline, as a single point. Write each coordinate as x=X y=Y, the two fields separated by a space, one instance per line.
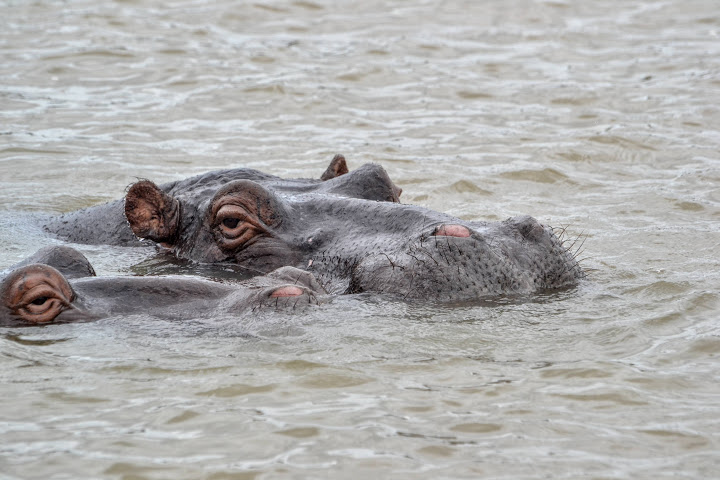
x=36 y=294
x=203 y=249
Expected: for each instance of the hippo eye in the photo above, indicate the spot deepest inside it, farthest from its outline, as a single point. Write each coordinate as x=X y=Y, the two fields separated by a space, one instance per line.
x=37 y=293
x=46 y=303
x=235 y=226
x=231 y=222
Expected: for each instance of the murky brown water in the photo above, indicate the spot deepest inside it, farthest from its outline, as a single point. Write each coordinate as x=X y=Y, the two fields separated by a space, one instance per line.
x=601 y=116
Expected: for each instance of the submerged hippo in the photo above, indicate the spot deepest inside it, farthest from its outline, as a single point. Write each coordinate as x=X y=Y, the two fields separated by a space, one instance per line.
x=351 y=243
x=58 y=284
x=156 y=211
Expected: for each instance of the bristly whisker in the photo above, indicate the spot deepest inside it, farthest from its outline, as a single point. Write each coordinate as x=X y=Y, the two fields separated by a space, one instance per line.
x=582 y=236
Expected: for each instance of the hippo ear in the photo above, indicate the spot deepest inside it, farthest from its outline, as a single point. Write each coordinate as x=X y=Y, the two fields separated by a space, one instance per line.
x=152 y=213
x=336 y=168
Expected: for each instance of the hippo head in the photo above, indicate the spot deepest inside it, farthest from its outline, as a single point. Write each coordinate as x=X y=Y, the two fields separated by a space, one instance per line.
x=68 y=291
x=162 y=213
x=357 y=245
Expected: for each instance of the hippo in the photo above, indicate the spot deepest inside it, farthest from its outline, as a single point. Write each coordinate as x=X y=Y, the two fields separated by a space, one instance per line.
x=58 y=285
x=352 y=243
x=158 y=209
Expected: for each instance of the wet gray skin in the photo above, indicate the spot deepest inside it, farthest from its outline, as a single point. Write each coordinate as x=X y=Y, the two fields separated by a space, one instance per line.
x=354 y=245
x=106 y=224
x=57 y=285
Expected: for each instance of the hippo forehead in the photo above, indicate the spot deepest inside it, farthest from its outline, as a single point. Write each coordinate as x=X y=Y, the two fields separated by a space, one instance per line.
x=209 y=183
x=68 y=261
x=369 y=180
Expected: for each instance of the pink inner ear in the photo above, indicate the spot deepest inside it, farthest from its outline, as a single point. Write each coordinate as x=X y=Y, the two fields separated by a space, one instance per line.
x=287 y=291
x=452 y=231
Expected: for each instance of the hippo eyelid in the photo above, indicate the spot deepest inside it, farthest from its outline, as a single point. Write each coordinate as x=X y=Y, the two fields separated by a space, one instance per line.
x=235 y=227
x=238 y=213
x=230 y=212
x=34 y=294
x=262 y=207
x=42 y=302
x=33 y=309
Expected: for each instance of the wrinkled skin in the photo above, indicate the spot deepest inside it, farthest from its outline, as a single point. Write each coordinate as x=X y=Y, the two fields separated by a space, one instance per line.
x=354 y=245
x=161 y=208
x=58 y=285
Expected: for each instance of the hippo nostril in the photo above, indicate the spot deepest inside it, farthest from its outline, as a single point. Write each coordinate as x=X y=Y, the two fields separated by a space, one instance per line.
x=287 y=291
x=451 y=231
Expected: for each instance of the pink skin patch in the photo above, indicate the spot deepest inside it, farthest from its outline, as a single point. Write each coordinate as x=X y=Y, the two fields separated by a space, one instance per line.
x=452 y=231
x=288 y=291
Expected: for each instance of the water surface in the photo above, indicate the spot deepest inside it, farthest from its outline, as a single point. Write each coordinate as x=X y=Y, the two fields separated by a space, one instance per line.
x=599 y=117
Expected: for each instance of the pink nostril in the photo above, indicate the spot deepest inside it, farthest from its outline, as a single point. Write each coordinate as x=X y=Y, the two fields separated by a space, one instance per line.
x=452 y=231
x=289 y=291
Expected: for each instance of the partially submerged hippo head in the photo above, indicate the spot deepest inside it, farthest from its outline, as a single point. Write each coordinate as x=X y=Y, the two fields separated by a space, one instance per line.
x=59 y=285
x=161 y=212
x=355 y=245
